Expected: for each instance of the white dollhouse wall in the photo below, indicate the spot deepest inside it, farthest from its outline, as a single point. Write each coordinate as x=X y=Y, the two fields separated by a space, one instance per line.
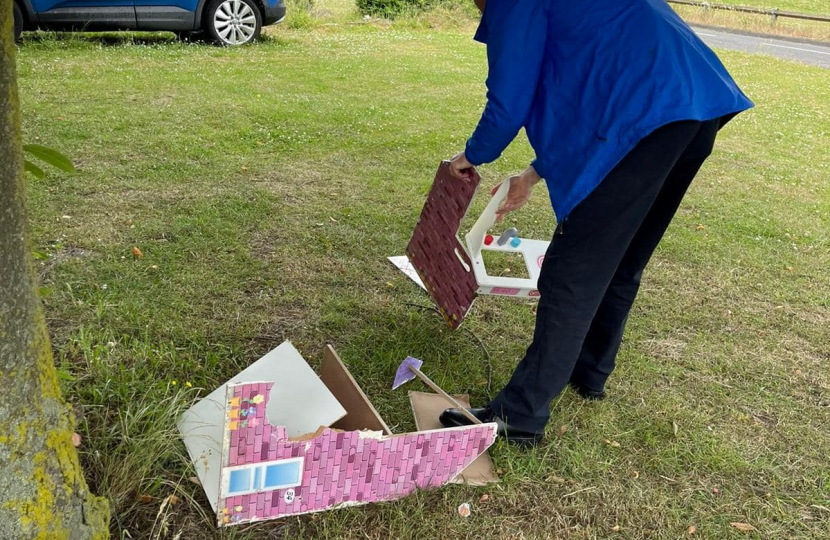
x=532 y=252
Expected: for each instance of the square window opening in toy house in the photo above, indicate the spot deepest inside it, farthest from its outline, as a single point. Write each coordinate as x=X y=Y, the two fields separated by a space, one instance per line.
x=360 y=413
x=505 y=264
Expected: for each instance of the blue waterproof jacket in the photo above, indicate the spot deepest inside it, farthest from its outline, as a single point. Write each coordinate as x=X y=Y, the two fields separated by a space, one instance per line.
x=588 y=80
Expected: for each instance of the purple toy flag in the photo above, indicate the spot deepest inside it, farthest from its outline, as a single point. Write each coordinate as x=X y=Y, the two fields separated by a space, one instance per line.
x=404 y=374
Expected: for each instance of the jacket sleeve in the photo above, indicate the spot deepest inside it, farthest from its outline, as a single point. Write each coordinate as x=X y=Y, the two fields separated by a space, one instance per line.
x=515 y=32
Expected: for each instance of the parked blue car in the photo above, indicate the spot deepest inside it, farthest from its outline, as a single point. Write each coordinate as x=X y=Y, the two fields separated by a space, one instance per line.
x=227 y=22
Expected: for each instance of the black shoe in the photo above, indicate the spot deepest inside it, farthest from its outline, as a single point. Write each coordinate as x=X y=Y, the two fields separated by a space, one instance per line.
x=586 y=393
x=455 y=418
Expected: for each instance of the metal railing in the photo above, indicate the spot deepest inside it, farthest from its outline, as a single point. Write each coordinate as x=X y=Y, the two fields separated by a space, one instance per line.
x=774 y=13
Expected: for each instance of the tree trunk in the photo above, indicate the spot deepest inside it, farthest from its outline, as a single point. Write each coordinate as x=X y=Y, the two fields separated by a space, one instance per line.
x=43 y=494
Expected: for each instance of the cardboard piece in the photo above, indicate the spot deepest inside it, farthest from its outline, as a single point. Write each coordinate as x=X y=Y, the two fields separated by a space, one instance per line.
x=301 y=405
x=454 y=273
x=255 y=471
x=426 y=408
x=362 y=414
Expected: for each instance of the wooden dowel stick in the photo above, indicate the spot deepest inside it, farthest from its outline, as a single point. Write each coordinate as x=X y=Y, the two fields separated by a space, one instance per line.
x=445 y=395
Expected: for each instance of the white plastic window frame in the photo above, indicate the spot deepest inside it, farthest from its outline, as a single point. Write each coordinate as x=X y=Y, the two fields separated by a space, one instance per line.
x=528 y=249
x=263 y=465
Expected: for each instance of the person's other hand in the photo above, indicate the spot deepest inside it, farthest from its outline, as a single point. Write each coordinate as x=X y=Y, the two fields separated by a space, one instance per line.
x=460 y=168
x=521 y=187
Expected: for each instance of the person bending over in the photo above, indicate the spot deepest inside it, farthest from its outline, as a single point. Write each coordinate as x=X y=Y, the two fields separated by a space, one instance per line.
x=621 y=102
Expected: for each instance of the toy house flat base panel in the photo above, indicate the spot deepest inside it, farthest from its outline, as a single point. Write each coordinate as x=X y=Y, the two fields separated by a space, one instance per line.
x=435 y=250
x=403 y=264
x=303 y=404
x=427 y=407
x=266 y=475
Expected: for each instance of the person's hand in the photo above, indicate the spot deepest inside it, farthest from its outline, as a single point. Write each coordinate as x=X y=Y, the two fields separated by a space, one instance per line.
x=460 y=168
x=521 y=186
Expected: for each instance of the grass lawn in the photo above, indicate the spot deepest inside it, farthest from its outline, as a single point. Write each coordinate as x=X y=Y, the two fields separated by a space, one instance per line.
x=265 y=187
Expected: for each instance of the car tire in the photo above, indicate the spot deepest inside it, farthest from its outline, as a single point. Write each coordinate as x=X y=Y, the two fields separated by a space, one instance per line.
x=18 y=21
x=233 y=22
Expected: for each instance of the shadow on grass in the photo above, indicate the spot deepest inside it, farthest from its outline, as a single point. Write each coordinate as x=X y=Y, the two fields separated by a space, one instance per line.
x=100 y=38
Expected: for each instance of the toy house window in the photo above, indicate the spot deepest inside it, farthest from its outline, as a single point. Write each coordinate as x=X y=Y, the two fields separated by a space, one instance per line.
x=266 y=476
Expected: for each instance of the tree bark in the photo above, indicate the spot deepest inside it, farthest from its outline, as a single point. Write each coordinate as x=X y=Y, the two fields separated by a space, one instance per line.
x=43 y=494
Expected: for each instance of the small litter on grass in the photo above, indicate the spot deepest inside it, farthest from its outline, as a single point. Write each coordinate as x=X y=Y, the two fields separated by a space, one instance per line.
x=615 y=444
x=76 y=440
x=483 y=498
x=691 y=530
x=464 y=510
x=743 y=527
x=137 y=252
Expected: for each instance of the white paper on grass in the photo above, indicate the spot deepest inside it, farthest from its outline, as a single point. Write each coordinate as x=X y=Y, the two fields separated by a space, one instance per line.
x=299 y=401
x=402 y=262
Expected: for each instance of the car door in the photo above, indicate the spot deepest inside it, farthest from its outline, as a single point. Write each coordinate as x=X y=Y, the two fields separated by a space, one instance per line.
x=86 y=14
x=175 y=15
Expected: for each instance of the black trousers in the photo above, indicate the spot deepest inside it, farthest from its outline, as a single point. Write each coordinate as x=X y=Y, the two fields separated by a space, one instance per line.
x=593 y=267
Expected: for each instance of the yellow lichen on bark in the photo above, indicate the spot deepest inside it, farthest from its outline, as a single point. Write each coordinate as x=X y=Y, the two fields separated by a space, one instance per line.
x=43 y=493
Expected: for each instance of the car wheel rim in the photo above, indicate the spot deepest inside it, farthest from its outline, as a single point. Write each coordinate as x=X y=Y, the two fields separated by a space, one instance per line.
x=235 y=22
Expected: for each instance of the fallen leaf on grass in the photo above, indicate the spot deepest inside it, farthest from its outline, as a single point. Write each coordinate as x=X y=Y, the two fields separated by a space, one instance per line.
x=615 y=528
x=675 y=427
x=744 y=527
x=76 y=440
x=173 y=499
x=692 y=529
x=145 y=499
x=484 y=498
x=464 y=510
x=555 y=479
x=137 y=252
x=615 y=444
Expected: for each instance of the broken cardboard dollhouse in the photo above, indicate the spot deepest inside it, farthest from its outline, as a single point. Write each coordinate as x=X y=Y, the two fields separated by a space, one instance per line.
x=277 y=440
x=454 y=273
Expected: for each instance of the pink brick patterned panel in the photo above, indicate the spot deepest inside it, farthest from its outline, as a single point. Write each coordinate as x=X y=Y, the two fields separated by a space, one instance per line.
x=432 y=249
x=344 y=468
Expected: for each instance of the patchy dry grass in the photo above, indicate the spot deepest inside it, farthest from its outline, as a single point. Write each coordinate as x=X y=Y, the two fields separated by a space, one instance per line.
x=266 y=185
x=758 y=24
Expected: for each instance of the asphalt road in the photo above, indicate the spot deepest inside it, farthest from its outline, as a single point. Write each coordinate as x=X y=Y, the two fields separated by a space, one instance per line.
x=814 y=53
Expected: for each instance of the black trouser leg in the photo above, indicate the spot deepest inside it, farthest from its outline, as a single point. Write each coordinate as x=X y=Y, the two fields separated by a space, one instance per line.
x=599 y=351
x=582 y=259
